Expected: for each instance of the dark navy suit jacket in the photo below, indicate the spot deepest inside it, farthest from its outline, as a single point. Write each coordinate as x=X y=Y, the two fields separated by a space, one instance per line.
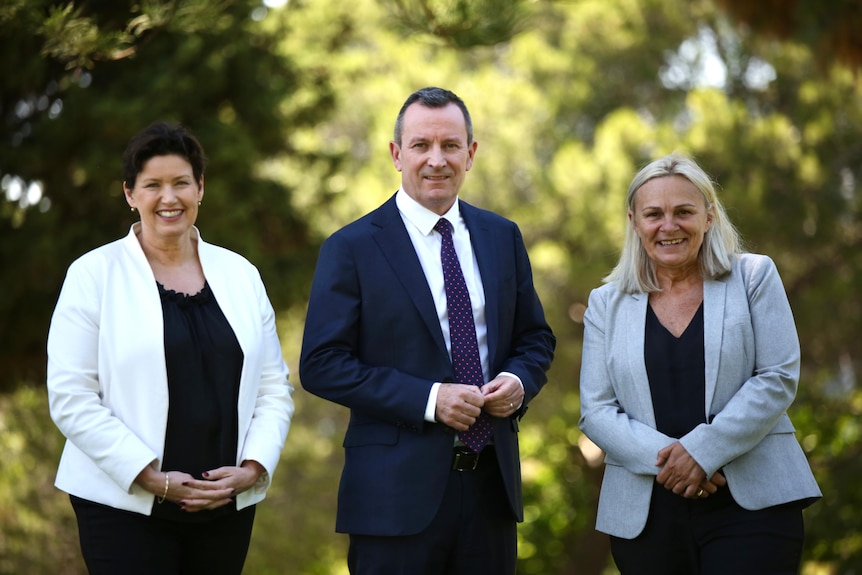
x=373 y=343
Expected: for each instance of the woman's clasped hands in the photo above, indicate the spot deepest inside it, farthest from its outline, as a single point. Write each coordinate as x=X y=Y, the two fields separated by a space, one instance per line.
x=216 y=489
x=681 y=474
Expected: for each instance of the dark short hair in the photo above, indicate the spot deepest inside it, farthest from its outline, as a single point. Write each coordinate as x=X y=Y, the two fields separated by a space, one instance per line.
x=432 y=97
x=162 y=139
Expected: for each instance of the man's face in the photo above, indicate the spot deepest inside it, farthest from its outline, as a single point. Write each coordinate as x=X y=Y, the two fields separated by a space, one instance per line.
x=434 y=155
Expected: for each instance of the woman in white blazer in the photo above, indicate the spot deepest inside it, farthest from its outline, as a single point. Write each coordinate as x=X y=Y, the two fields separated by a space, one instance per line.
x=690 y=362
x=166 y=376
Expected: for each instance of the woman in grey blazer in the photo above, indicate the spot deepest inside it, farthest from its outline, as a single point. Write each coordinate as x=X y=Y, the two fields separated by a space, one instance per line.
x=690 y=362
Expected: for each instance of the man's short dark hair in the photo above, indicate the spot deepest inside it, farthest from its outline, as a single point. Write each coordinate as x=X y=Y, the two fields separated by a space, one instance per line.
x=432 y=97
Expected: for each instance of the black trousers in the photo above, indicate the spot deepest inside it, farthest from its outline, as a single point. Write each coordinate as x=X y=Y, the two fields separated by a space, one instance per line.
x=473 y=533
x=712 y=536
x=115 y=541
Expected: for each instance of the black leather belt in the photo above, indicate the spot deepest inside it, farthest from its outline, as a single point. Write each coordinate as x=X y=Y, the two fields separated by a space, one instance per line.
x=465 y=459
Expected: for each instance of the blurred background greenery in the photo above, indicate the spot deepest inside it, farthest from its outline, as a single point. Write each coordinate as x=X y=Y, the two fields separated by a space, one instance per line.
x=295 y=102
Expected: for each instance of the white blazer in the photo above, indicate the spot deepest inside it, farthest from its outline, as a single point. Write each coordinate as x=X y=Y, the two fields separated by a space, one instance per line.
x=107 y=380
x=752 y=370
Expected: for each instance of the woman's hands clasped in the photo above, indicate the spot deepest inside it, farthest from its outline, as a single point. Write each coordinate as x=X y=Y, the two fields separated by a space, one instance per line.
x=215 y=490
x=681 y=474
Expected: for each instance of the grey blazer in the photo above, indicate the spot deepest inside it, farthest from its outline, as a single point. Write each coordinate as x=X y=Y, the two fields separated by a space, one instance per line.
x=752 y=369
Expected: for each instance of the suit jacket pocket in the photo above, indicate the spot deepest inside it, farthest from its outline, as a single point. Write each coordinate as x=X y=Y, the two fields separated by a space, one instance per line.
x=370 y=434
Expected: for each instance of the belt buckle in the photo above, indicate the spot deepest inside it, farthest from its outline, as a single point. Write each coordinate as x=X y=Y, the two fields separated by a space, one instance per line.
x=465 y=455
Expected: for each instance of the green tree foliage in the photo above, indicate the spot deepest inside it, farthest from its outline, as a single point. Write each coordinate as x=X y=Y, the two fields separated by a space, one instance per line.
x=37 y=520
x=569 y=99
x=463 y=23
x=81 y=81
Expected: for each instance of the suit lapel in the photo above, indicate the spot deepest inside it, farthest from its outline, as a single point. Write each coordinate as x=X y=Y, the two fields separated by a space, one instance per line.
x=714 y=292
x=485 y=246
x=394 y=242
x=634 y=324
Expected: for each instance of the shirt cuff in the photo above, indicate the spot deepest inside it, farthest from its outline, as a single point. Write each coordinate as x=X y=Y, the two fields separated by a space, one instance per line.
x=431 y=406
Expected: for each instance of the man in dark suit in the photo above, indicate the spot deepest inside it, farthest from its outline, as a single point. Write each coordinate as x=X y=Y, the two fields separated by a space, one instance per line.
x=424 y=490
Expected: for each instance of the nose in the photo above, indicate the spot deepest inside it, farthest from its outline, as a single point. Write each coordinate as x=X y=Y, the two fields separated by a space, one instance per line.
x=436 y=158
x=668 y=223
x=169 y=194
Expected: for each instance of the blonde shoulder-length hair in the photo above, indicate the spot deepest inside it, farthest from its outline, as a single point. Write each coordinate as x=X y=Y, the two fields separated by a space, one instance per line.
x=635 y=271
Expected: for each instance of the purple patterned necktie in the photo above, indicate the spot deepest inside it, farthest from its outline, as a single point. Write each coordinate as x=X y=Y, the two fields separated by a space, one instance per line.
x=462 y=334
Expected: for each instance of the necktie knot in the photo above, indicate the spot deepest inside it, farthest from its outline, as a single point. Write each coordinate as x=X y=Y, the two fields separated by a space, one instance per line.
x=443 y=227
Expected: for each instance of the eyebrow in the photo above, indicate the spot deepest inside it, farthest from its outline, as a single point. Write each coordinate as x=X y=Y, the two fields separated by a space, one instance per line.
x=444 y=140
x=689 y=205
x=158 y=179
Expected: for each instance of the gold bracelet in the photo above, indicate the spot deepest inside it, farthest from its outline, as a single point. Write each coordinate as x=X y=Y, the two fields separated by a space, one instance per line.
x=167 y=485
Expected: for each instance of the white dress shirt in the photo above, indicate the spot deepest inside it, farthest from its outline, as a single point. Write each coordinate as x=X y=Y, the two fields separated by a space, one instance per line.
x=420 y=223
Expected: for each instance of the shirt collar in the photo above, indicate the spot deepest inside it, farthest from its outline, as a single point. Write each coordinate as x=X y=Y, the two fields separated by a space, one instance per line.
x=420 y=216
